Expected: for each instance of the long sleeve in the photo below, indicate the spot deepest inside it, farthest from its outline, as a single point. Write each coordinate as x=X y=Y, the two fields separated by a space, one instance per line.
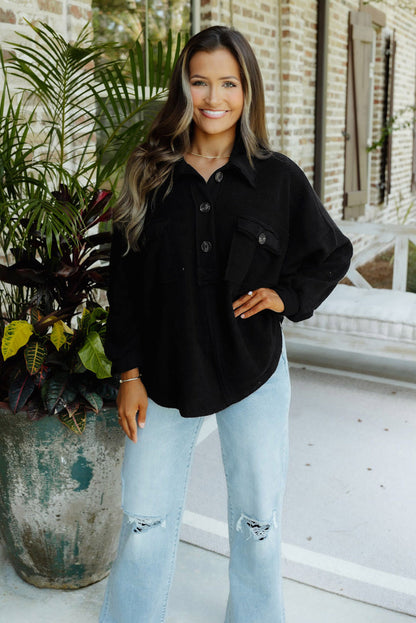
x=122 y=342
x=318 y=254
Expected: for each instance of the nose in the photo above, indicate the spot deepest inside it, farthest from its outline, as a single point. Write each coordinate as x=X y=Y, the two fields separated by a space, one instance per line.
x=213 y=96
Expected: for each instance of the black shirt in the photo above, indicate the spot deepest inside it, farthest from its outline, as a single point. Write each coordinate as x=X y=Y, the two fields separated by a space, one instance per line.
x=202 y=247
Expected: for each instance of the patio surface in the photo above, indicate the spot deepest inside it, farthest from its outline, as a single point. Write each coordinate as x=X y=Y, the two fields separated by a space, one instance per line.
x=199 y=595
x=348 y=522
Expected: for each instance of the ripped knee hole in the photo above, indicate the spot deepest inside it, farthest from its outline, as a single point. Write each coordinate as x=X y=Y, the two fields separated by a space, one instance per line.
x=258 y=530
x=143 y=524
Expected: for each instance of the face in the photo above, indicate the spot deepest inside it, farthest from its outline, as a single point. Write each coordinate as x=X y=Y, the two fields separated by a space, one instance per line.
x=217 y=93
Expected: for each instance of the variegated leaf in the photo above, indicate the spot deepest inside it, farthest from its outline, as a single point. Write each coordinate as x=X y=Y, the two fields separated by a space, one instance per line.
x=35 y=355
x=58 y=337
x=16 y=335
x=20 y=390
x=92 y=398
x=74 y=417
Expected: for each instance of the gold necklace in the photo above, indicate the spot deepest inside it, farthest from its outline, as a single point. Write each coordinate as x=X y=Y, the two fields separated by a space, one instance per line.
x=209 y=157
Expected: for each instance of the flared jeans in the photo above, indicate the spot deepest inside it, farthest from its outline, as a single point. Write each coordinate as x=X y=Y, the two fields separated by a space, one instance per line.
x=254 y=444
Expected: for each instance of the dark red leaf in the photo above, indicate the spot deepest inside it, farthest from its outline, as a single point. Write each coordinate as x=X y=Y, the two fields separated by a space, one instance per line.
x=20 y=390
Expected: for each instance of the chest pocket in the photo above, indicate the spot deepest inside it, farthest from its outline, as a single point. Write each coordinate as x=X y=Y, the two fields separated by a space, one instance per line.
x=160 y=242
x=255 y=247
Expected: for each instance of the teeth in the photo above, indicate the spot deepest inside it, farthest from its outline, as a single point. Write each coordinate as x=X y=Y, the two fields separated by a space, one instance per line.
x=214 y=113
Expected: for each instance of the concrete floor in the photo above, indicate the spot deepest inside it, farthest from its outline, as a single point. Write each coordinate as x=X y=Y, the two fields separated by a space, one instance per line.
x=199 y=595
x=200 y=586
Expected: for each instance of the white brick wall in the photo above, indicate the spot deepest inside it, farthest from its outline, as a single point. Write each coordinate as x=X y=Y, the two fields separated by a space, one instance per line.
x=404 y=24
x=259 y=23
x=66 y=16
x=287 y=55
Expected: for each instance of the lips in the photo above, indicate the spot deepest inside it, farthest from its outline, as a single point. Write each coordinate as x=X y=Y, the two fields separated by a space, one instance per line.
x=213 y=114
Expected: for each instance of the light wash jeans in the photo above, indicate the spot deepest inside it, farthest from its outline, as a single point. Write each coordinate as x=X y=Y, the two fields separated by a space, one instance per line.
x=254 y=442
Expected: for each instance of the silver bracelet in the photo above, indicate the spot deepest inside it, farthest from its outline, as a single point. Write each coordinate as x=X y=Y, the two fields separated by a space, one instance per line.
x=134 y=378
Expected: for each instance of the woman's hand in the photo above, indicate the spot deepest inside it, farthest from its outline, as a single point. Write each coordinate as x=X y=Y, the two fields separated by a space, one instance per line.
x=257 y=300
x=132 y=398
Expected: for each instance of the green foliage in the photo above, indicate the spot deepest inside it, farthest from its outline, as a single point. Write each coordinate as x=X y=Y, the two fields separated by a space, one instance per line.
x=58 y=337
x=154 y=20
x=20 y=390
x=404 y=119
x=79 y=97
x=64 y=138
x=75 y=418
x=16 y=335
x=35 y=355
x=69 y=381
x=411 y=270
x=93 y=357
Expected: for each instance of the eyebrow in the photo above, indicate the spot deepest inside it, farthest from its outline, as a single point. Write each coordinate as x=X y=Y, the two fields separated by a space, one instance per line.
x=222 y=78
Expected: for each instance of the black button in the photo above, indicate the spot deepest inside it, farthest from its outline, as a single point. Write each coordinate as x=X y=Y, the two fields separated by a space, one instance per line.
x=219 y=176
x=205 y=207
x=262 y=238
x=206 y=246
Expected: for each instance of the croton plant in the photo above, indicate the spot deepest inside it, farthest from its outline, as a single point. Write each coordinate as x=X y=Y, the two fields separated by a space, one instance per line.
x=70 y=114
x=49 y=366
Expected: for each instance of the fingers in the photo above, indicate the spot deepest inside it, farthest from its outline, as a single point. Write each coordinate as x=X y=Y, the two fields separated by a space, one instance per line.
x=129 y=426
x=129 y=422
x=247 y=311
x=255 y=301
x=132 y=406
x=142 y=416
x=244 y=300
x=247 y=302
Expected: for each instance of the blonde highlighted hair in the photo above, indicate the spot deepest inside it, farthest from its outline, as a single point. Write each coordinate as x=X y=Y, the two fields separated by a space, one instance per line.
x=151 y=163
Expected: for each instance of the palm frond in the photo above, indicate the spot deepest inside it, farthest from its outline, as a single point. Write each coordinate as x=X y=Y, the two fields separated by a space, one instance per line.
x=92 y=112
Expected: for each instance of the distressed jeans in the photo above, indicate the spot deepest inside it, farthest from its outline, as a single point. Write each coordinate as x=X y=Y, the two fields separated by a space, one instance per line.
x=254 y=443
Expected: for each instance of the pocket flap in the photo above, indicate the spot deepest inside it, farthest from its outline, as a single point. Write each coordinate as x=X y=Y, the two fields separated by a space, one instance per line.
x=264 y=236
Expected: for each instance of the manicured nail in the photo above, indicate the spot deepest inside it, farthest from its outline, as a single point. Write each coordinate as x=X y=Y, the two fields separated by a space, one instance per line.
x=243 y=315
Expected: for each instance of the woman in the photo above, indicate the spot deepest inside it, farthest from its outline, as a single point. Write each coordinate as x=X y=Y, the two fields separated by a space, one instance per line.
x=217 y=239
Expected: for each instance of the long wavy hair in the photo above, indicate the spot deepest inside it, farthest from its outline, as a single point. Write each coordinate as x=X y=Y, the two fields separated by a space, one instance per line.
x=151 y=163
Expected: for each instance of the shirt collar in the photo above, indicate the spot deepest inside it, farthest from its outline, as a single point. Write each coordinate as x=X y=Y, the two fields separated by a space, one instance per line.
x=238 y=160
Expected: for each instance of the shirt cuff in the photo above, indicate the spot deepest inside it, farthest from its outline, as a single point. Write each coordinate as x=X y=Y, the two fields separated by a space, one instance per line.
x=290 y=300
x=127 y=362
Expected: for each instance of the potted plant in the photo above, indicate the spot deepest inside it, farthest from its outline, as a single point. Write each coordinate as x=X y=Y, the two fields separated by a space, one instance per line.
x=64 y=137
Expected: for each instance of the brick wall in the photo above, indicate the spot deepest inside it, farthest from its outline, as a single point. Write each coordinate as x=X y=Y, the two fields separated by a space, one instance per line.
x=283 y=35
x=289 y=68
x=285 y=45
x=299 y=31
x=404 y=25
x=404 y=93
x=66 y=16
x=259 y=23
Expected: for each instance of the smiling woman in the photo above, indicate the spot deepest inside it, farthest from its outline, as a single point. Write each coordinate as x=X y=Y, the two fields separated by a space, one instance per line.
x=218 y=100
x=217 y=97
x=217 y=237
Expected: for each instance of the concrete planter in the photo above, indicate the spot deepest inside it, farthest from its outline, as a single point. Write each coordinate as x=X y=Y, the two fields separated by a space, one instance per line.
x=60 y=497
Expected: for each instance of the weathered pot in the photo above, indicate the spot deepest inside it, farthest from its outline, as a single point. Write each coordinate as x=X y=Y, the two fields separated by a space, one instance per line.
x=60 y=497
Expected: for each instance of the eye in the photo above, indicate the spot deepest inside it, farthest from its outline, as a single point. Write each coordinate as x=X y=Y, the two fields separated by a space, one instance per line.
x=198 y=83
x=228 y=84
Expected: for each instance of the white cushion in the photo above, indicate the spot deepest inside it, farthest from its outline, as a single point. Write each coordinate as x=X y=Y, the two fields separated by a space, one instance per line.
x=382 y=313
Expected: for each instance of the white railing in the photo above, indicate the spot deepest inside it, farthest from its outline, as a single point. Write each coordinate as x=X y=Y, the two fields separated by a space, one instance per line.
x=381 y=236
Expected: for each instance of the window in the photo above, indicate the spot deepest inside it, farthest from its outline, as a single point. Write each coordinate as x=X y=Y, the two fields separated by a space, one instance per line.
x=124 y=21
